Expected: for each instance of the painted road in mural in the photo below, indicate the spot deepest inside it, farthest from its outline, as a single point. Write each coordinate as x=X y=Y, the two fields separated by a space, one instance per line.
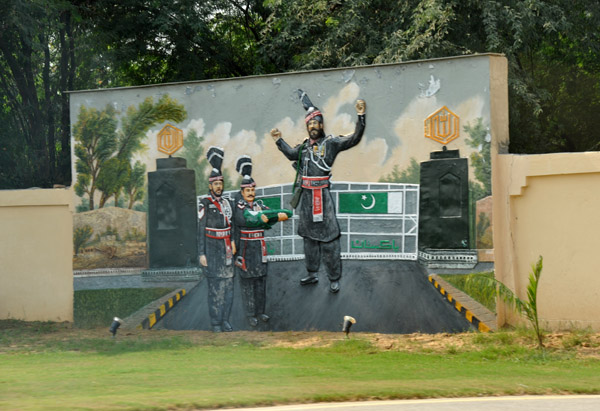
x=383 y=296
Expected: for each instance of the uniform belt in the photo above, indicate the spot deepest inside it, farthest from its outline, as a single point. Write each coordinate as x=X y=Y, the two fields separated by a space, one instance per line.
x=314 y=183
x=252 y=235
x=218 y=233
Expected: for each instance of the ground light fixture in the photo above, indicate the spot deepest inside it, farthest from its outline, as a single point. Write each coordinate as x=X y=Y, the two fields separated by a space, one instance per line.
x=348 y=321
x=115 y=324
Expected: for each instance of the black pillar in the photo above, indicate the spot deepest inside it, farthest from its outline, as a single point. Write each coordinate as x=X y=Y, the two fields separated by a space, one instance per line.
x=172 y=219
x=444 y=211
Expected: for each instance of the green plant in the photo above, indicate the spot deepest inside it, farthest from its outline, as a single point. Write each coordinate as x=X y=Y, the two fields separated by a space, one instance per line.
x=528 y=307
x=81 y=236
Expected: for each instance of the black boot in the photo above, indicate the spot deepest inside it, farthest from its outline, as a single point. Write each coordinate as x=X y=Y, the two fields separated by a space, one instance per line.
x=310 y=279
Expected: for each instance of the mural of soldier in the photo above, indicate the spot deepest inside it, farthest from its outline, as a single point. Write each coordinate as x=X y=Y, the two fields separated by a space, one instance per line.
x=251 y=220
x=215 y=248
x=314 y=158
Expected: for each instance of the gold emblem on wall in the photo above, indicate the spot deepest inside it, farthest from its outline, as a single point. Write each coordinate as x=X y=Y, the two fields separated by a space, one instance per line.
x=170 y=139
x=442 y=126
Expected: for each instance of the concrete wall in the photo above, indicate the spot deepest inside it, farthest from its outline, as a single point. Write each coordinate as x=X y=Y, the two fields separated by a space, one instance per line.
x=548 y=205
x=36 y=248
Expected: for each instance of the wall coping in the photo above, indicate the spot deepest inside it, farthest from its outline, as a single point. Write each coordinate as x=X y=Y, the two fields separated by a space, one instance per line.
x=37 y=197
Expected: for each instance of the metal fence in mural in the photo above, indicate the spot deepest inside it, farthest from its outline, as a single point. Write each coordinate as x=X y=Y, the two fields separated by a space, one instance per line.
x=377 y=220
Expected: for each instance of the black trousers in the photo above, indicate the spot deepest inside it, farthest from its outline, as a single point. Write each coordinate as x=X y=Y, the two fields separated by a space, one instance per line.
x=330 y=253
x=220 y=299
x=254 y=295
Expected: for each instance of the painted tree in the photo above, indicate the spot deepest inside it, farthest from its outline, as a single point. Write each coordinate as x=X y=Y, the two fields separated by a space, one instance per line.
x=193 y=152
x=104 y=151
x=134 y=183
x=481 y=160
x=410 y=175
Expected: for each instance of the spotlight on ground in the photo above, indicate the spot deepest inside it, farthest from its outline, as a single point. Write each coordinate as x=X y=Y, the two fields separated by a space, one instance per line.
x=115 y=324
x=348 y=321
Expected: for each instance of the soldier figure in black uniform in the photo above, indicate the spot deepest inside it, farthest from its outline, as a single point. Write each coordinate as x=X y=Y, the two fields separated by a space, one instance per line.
x=317 y=220
x=215 y=247
x=251 y=259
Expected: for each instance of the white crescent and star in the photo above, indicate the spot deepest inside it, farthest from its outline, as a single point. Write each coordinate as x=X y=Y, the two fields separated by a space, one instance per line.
x=364 y=197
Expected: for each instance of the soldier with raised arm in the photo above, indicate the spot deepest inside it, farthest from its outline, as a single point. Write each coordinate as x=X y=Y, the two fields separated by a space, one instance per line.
x=318 y=223
x=215 y=246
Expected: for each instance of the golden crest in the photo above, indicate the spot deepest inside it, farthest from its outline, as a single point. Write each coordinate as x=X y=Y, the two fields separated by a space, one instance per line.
x=442 y=126
x=170 y=139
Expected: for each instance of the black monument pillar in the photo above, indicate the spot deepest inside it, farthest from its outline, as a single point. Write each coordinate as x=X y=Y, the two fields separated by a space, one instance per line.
x=172 y=219
x=444 y=212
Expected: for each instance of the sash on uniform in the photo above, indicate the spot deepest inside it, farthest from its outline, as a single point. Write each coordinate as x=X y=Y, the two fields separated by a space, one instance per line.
x=219 y=233
x=255 y=235
x=222 y=234
x=316 y=186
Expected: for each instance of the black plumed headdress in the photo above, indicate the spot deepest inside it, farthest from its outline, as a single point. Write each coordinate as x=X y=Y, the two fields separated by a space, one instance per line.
x=215 y=158
x=243 y=166
x=311 y=110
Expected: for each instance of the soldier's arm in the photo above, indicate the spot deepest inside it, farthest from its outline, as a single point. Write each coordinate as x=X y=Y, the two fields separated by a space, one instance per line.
x=346 y=142
x=289 y=152
x=201 y=234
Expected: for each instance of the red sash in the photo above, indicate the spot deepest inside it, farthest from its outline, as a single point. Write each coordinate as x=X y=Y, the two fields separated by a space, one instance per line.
x=316 y=186
x=222 y=234
x=255 y=235
x=219 y=233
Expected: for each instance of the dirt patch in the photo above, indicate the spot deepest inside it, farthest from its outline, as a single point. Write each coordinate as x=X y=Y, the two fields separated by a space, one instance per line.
x=582 y=344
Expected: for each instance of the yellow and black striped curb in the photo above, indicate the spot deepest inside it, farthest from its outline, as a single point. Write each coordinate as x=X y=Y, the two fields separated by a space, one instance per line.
x=153 y=318
x=480 y=325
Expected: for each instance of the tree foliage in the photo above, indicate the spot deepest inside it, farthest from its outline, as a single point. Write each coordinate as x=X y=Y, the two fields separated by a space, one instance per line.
x=50 y=46
x=104 y=149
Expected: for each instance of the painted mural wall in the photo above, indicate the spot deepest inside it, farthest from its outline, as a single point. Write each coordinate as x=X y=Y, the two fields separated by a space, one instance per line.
x=412 y=109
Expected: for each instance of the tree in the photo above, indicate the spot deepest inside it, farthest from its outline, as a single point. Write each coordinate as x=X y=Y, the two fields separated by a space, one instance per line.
x=552 y=47
x=104 y=151
x=193 y=152
x=481 y=160
x=134 y=183
x=410 y=175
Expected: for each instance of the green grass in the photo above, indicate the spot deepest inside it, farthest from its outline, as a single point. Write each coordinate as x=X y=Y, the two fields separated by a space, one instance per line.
x=460 y=281
x=95 y=308
x=176 y=372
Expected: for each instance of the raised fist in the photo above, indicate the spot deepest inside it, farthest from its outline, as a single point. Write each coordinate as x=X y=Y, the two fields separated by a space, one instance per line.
x=276 y=134
x=361 y=107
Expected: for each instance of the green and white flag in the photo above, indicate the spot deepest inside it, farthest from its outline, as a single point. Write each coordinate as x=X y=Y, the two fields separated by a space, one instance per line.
x=374 y=202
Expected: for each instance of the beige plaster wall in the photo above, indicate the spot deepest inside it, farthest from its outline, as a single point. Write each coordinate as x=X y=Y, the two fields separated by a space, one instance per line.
x=36 y=248
x=549 y=205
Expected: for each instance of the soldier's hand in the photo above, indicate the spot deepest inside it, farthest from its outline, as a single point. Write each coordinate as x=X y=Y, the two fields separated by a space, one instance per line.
x=233 y=248
x=276 y=134
x=202 y=261
x=264 y=218
x=361 y=107
x=282 y=216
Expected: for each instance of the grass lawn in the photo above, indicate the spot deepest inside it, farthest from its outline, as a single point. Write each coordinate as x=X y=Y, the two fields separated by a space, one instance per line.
x=96 y=308
x=52 y=366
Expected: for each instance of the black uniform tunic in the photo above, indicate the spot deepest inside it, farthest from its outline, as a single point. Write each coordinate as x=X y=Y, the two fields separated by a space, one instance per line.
x=214 y=214
x=214 y=220
x=316 y=161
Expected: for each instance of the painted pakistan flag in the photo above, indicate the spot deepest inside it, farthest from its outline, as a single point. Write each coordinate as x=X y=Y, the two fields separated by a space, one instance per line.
x=371 y=203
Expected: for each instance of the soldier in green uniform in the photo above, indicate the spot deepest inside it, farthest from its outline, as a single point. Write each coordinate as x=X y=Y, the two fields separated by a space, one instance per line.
x=251 y=220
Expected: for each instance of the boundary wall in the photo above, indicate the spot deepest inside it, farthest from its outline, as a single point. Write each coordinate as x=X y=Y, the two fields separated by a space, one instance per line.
x=36 y=254
x=548 y=205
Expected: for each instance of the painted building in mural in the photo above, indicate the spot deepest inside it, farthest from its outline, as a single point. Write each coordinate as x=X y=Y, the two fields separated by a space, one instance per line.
x=413 y=109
